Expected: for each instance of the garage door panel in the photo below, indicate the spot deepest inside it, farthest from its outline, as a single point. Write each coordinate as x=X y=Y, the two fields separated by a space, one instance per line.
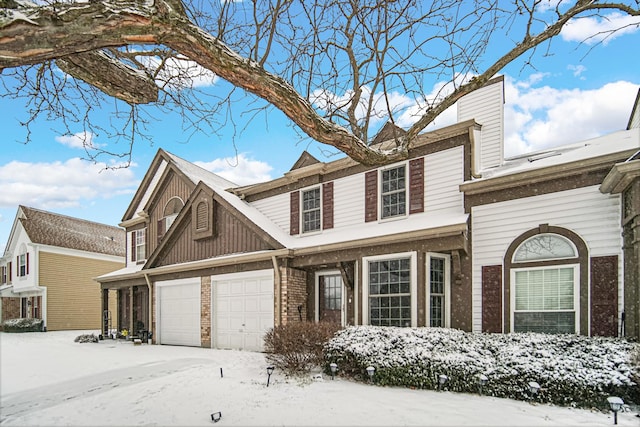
x=179 y=313
x=243 y=311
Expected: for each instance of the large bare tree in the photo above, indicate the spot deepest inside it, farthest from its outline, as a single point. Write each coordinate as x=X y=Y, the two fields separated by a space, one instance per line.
x=335 y=68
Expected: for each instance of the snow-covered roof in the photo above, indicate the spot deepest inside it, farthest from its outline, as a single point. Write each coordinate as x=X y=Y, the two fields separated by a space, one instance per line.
x=612 y=143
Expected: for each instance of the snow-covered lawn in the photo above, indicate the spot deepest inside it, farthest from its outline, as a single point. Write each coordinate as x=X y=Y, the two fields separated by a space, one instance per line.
x=48 y=379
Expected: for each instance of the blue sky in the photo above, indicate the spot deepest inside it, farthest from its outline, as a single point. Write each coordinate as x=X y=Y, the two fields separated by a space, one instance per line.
x=577 y=93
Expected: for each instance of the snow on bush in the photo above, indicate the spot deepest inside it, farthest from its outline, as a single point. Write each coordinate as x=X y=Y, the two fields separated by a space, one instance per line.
x=571 y=370
x=22 y=325
x=86 y=338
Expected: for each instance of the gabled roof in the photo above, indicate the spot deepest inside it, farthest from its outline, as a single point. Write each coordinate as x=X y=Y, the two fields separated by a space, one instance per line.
x=388 y=132
x=305 y=159
x=47 y=228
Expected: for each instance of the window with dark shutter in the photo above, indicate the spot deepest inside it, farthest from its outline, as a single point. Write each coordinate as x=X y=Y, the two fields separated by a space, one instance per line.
x=27 y=262
x=604 y=296
x=294 y=220
x=133 y=246
x=416 y=185
x=327 y=205
x=492 y=298
x=371 y=196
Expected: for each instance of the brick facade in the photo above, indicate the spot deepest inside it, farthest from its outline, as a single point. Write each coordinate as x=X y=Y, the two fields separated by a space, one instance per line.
x=10 y=308
x=205 y=311
x=293 y=295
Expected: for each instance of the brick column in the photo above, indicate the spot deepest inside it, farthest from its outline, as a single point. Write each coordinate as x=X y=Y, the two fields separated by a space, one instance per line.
x=205 y=311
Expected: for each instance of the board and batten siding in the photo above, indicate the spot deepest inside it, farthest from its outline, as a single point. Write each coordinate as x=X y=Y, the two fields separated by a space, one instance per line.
x=74 y=300
x=595 y=217
x=444 y=172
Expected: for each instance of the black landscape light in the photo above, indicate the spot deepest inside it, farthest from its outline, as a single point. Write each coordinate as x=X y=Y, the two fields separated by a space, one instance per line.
x=269 y=372
x=370 y=371
x=616 y=404
x=442 y=380
x=482 y=381
x=215 y=417
x=534 y=388
x=334 y=368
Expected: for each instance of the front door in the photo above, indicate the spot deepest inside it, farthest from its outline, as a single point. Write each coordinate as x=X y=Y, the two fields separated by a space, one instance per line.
x=330 y=298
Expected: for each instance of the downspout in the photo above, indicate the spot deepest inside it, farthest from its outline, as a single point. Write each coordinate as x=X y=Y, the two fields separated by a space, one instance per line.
x=472 y=139
x=146 y=278
x=277 y=278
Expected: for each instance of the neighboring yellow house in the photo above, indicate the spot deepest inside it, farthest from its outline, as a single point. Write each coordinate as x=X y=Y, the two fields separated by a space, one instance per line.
x=48 y=268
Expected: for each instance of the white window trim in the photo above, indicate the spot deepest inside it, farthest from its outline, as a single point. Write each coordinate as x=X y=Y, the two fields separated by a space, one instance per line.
x=406 y=191
x=576 y=291
x=138 y=259
x=301 y=210
x=447 y=287
x=413 y=259
x=316 y=293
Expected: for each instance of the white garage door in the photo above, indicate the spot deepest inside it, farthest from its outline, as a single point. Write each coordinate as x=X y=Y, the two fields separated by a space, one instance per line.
x=243 y=309
x=179 y=312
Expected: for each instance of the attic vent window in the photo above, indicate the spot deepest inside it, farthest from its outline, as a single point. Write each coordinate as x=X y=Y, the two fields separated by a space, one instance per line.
x=202 y=216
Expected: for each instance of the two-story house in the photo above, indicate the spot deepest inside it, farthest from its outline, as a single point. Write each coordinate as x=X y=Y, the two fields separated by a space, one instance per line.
x=48 y=268
x=455 y=236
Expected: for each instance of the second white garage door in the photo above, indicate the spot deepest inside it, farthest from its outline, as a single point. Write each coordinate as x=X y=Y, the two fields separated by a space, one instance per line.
x=179 y=312
x=243 y=309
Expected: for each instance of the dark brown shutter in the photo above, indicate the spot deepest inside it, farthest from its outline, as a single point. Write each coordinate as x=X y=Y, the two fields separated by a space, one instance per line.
x=294 y=222
x=327 y=205
x=492 y=298
x=10 y=272
x=371 y=196
x=133 y=246
x=416 y=185
x=18 y=266
x=604 y=296
x=161 y=230
x=27 y=267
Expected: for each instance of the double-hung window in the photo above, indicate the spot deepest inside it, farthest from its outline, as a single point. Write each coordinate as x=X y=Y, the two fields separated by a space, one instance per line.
x=141 y=244
x=22 y=265
x=393 y=192
x=311 y=210
x=391 y=290
x=545 y=296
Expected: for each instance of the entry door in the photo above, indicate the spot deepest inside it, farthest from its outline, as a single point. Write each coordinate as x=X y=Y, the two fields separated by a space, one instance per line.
x=330 y=296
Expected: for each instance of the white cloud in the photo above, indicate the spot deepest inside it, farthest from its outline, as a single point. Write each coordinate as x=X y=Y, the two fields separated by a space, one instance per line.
x=596 y=29
x=537 y=118
x=241 y=169
x=179 y=73
x=62 y=184
x=79 y=140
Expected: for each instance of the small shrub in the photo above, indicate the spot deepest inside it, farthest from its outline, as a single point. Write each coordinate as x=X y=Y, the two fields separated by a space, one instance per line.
x=23 y=325
x=86 y=338
x=298 y=347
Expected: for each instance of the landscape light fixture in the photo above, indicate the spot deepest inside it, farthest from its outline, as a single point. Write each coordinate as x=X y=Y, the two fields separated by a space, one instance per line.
x=370 y=371
x=215 y=417
x=534 y=388
x=269 y=372
x=482 y=381
x=442 y=379
x=334 y=368
x=616 y=404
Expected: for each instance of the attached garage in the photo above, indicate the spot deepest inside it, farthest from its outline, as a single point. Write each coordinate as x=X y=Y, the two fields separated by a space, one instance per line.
x=243 y=309
x=178 y=312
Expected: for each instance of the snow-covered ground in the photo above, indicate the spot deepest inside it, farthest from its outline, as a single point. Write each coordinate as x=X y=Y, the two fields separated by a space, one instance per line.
x=48 y=379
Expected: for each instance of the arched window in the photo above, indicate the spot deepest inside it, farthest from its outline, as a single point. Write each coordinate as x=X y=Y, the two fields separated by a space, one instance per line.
x=171 y=211
x=545 y=283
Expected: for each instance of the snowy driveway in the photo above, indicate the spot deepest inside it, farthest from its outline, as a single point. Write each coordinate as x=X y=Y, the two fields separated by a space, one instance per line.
x=47 y=379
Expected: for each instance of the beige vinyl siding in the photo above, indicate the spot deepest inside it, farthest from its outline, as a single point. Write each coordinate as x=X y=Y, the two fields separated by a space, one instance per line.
x=277 y=209
x=73 y=297
x=348 y=201
x=593 y=216
x=444 y=172
x=485 y=106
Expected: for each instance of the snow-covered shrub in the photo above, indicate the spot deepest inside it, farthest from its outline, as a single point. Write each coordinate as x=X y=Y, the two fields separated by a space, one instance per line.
x=22 y=325
x=297 y=347
x=571 y=370
x=86 y=338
